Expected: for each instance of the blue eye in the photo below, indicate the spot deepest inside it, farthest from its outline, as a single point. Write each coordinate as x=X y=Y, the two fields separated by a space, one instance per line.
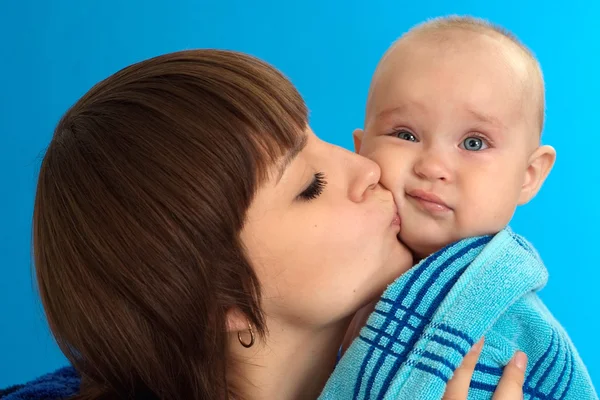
x=315 y=188
x=405 y=135
x=473 y=143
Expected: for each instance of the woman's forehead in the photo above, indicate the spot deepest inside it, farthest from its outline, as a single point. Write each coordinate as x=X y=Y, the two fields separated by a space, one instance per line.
x=292 y=153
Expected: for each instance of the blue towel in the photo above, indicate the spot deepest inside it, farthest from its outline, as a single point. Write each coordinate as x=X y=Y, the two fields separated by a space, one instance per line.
x=60 y=384
x=428 y=319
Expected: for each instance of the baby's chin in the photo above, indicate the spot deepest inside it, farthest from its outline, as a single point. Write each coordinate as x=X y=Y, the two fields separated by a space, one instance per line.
x=423 y=245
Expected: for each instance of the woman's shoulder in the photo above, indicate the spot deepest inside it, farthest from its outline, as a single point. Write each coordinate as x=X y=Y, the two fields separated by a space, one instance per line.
x=60 y=384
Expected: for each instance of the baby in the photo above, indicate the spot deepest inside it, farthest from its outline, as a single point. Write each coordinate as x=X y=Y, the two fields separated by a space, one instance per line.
x=454 y=118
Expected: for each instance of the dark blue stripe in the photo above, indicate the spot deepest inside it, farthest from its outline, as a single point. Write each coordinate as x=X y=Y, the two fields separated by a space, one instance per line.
x=527 y=388
x=562 y=373
x=370 y=342
x=387 y=335
x=433 y=371
x=522 y=243
x=427 y=286
x=448 y=343
x=413 y=278
x=491 y=389
x=539 y=362
x=396 y=303
x=449 y=330
x=568 y=386
x=435 y=304
x=482 y=386
x=418 y=298
x=548 y=369
x=388 y=315
x=426 y=354
x=487 y=369
x=400 y=307
x=483 y=368
x=401 y=324
x=456 y=332
x=439 y=359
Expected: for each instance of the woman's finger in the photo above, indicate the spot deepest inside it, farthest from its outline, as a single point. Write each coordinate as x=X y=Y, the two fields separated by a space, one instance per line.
x=510 y=386
x=458 y=386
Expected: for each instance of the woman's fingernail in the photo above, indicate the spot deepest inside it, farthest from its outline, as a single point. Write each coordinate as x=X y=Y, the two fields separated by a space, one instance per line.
x=520 y=360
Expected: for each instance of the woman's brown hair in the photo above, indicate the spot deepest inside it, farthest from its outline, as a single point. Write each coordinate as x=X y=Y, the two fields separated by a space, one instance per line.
x=141 y=197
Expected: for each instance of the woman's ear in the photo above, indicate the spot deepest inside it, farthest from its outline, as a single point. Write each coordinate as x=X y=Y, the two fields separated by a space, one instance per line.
x=236 y=321
x=540 y=164
x=357 y=135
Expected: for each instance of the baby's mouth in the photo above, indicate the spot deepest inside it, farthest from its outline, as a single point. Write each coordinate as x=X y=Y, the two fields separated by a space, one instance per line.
x=428 y=201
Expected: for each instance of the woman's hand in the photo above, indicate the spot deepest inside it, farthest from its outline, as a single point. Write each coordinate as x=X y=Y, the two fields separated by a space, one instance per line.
x=510 y=386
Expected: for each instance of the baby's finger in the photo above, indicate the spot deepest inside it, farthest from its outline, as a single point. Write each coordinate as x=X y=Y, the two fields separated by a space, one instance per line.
x=510 y=386
x=458 y=386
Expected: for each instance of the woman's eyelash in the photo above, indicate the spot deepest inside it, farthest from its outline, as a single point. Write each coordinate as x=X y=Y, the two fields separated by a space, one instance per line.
x=315 y=188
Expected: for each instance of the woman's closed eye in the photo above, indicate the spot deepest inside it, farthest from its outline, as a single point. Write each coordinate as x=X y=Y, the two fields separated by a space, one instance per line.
x=315 y=188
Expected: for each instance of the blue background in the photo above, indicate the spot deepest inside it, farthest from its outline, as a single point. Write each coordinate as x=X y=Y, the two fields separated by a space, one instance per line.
x=53 y=51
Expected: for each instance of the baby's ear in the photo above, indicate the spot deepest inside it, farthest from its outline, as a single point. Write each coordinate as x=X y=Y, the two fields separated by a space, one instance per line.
x=357 y=135
x=540 y=164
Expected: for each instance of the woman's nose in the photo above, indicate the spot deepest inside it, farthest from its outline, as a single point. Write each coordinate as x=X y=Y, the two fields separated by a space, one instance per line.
x=365 y=176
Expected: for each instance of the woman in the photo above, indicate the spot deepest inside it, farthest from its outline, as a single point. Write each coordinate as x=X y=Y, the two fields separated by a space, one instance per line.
x=194 y=239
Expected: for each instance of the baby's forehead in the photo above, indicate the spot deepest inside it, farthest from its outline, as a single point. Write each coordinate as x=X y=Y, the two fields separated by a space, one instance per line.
x=399 y=59
x=453 y=46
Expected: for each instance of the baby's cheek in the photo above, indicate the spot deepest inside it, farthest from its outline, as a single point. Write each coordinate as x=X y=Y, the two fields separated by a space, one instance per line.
x=490 y=214
x=368 y=146
x=393 y=175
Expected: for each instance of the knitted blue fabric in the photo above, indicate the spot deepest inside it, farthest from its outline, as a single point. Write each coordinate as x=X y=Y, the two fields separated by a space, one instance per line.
x=60 y=384
x=429 y=318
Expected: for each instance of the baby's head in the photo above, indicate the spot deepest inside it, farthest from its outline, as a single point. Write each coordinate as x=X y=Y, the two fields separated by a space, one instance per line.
x=454 y=118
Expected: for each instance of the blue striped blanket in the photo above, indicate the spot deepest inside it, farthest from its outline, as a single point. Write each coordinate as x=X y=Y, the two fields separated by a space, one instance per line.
x=427 y=320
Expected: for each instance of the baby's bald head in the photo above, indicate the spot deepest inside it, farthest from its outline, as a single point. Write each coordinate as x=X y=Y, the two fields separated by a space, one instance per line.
x=453 y=34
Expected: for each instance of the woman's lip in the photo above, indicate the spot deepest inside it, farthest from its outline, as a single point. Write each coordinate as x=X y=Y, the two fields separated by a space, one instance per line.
x=396 y=220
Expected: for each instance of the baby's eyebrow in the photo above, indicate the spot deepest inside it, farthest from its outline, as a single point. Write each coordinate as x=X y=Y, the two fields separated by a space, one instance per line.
x=486 y=118
x=409 y=108
x=401 y=109
x=403 y=106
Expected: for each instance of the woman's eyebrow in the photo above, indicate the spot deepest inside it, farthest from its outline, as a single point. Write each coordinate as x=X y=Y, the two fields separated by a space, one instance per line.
x=289 y=157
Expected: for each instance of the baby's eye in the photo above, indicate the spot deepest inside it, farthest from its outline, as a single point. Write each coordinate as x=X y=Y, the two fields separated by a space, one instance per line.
x=405 y=135
x=474 y=143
